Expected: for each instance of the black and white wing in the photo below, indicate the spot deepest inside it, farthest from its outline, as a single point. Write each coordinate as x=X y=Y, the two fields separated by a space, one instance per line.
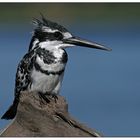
x=23 y=79
x=22 y=82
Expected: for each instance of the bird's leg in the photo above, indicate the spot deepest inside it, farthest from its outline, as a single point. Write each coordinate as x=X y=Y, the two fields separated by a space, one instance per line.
x=42 y=95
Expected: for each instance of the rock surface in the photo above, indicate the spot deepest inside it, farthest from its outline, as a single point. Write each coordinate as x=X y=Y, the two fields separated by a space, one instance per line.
x=37 y=118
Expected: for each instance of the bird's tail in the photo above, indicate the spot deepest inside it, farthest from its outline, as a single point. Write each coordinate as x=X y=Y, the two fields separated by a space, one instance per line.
x=11 y=112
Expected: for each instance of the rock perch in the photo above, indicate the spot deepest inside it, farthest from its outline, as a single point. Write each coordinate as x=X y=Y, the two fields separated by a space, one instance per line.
x=36 y=118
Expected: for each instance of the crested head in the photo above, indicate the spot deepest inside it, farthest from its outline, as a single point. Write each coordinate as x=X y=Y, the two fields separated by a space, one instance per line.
x=48 y=33
x=43 y=24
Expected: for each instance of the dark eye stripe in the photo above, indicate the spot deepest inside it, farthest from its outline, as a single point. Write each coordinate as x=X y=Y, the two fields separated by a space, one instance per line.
x=42 y=36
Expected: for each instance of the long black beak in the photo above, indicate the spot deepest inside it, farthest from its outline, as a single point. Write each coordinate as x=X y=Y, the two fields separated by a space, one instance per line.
x=84 y=43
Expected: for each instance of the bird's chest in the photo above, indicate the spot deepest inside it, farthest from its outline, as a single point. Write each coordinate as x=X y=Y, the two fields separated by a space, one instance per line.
x=43 y=82
x=47 y=69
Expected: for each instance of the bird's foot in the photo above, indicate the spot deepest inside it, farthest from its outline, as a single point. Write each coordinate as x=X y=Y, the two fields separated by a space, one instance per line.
x=43 y=96
x=48 y=96
x=55 y=97
x=52 y=96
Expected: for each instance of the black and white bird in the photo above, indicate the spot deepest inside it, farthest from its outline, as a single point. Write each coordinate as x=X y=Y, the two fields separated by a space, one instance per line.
x=42 y=68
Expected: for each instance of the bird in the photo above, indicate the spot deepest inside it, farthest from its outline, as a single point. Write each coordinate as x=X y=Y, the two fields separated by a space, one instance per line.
x=42 y=68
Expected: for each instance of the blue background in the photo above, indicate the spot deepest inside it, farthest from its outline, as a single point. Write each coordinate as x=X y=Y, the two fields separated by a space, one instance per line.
x=102 y=88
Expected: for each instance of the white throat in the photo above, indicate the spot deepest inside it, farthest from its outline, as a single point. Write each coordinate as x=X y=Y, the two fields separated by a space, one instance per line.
x=50 y=45
x=53 y=45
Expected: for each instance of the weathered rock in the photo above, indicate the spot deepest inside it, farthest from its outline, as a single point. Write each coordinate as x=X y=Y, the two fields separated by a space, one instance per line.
x=37 y=118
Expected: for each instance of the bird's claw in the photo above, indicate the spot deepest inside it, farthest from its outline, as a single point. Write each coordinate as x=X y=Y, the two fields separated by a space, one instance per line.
x=55 y=97
x=48 y=97
x=43 y=96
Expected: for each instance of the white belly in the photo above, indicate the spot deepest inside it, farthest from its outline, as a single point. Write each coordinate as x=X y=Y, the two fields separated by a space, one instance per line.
x=42 y=82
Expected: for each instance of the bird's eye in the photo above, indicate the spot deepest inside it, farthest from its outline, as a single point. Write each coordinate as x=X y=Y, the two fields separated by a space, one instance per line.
x=58 y=35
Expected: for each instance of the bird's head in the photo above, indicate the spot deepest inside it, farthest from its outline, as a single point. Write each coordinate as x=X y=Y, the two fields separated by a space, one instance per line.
x=51 y=35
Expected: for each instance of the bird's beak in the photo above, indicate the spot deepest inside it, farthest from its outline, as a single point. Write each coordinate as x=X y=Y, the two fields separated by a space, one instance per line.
x=84 y=43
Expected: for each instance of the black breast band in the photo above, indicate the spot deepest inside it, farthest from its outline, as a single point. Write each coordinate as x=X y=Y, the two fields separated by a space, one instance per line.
x=38 y=68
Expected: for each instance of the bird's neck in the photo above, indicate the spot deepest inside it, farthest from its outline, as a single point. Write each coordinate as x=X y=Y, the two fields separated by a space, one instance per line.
x=51 y=47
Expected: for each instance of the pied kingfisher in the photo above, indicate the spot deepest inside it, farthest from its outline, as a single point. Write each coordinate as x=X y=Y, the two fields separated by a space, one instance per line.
x=42 y=68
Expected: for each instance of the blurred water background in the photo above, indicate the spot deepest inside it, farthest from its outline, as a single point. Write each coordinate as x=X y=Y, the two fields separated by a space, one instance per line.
x=102 y=88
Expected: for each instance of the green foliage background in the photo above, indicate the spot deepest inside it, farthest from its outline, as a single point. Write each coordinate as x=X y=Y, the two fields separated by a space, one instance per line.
x=72 y=12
